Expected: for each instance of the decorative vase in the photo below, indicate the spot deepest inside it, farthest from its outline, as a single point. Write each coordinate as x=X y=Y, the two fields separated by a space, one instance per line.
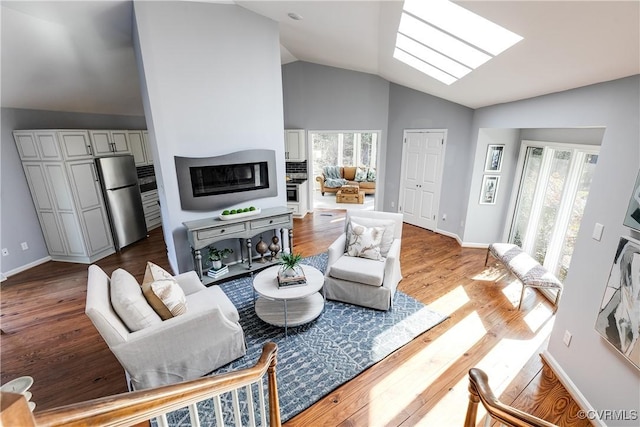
x=274 y=247
x=290 y=271
x=216 y=264
x=262 y=248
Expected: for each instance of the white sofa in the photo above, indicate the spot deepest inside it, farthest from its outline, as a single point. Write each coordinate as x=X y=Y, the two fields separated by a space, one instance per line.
x=181 y=348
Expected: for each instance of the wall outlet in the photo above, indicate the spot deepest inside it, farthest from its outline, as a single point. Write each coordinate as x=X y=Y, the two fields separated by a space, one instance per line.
x=24 y=246
x=393 y=204
x=5 y=251
x=444 y=217
x=567 y=338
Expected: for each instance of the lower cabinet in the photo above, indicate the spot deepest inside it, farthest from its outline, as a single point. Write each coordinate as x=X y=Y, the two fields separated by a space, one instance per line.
x=151 y=207
x=70 y=208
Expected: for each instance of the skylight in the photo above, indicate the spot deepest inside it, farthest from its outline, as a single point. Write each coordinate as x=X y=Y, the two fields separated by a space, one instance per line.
x=446 y=41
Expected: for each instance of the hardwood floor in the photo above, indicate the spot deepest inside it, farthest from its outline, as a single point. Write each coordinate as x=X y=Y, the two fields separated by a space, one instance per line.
x=45 y=334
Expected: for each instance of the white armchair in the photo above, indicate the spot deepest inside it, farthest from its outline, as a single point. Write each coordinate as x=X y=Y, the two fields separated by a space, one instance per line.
x=360 y=280
x=181 y=348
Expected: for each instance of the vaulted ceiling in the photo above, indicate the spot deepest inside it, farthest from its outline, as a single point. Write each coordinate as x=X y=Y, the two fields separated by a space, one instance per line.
x=78 y=55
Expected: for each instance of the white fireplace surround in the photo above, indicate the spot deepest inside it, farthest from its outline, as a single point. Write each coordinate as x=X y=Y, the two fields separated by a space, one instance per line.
x=191 y=202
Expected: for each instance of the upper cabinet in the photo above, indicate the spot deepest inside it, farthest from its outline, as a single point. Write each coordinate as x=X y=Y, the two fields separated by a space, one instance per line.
x=75 y=144
x=139 y=144
x=37 y=145
x=110 y=142
x=295 y=147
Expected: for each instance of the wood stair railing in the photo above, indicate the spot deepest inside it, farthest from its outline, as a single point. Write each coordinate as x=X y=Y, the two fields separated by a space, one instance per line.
x=480 y=391
x=139 y=406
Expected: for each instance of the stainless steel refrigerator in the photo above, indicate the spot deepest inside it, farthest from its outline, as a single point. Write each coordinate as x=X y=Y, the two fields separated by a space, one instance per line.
x=119 y=180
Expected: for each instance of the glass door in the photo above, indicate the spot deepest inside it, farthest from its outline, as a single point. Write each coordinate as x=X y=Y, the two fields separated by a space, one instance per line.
x=554 y=187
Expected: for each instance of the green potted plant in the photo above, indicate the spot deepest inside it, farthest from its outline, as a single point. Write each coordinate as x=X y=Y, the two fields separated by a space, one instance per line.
x=217 y=255
x=290 y=265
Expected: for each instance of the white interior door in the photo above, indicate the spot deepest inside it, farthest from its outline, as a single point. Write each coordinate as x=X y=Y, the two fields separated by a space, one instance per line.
x=422 y=158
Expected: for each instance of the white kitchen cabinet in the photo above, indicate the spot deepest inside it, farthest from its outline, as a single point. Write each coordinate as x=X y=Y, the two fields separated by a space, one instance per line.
x=151 y=207
x=147 y=147
x=109 y=142
x=136 y=144
x=75 y=144
x=88 y=197
x=67 y=197
x=139 y=144
x=57 y=212
x=37 y=145
x=295 y=147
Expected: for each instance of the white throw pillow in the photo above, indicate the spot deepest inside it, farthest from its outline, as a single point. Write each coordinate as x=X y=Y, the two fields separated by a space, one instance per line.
x=389 y=230
x=361 y=175
x=364 y=242
x=127 y=300
x=163 y=292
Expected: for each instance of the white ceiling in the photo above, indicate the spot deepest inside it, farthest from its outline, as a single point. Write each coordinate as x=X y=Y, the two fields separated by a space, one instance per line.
x=78 y=56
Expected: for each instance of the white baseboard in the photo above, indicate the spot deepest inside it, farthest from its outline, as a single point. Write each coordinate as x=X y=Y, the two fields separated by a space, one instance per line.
x=25 y=267
x=449 y=234
x=2 y=277
x=474 y=245
x=571 y=387
x=460 y=242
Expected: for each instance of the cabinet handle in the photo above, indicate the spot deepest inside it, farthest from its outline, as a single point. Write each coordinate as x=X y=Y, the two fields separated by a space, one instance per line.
x=93 y=172
x=113 y=146
x=90 y=149
x=271 y=221
x=222 y=231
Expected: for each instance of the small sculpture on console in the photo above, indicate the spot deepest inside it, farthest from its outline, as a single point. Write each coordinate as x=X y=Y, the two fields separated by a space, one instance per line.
x=262 y=248
x=274 y=247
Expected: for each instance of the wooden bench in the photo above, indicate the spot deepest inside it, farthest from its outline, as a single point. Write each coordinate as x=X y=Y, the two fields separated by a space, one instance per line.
x=529 y=271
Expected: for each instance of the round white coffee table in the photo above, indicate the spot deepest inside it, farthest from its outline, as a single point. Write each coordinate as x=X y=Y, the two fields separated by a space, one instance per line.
x=288 y=306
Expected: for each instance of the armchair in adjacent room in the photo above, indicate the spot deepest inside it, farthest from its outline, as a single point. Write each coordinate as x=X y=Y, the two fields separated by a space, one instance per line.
x=363 y=266
x=200 y=331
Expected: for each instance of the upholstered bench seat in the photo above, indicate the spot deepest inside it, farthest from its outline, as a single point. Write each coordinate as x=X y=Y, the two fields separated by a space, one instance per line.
x=528 y=271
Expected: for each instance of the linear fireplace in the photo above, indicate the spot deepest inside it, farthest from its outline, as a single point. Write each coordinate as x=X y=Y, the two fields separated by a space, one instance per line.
x=219 y=182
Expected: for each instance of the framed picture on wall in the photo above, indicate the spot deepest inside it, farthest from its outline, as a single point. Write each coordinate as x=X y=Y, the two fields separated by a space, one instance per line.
x=632 y=218
x=493 y=162
x=489 y=189
x=618 y=321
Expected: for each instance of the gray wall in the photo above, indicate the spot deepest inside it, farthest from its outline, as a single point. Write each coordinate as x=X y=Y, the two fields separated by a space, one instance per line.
x=317 y=97
x=410 y=109
x=19 y=220
x=211 y=84
x=488 y=223
x=599 y=372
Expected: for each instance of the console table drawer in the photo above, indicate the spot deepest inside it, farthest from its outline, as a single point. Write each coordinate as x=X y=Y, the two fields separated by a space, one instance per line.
x=270 y=222
x=220 y=231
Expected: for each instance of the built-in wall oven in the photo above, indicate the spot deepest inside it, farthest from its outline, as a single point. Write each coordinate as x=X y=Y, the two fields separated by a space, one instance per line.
x=292 y=193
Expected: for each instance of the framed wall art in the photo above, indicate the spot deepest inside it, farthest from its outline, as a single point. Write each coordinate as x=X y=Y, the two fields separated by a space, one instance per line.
x=632 y=218
x=493 y=162
x=489 y=189
x=618 y=320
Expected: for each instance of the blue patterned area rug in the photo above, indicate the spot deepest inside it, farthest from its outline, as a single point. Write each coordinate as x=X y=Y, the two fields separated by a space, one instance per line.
x=316 y=358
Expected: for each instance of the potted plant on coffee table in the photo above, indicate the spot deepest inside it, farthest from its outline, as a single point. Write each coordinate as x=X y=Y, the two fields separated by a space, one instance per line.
x=217 y=255
x=290 y=265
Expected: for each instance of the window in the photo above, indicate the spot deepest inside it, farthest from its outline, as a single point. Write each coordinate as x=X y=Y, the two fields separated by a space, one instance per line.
x=343 y=149
x=554 y=186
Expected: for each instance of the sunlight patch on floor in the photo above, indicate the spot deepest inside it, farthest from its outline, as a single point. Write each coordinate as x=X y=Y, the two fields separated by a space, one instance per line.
x=450 y=302
x=512 y=292
x=538 y=316
x=502 y=364
x=432 y=361
x=491 y=274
